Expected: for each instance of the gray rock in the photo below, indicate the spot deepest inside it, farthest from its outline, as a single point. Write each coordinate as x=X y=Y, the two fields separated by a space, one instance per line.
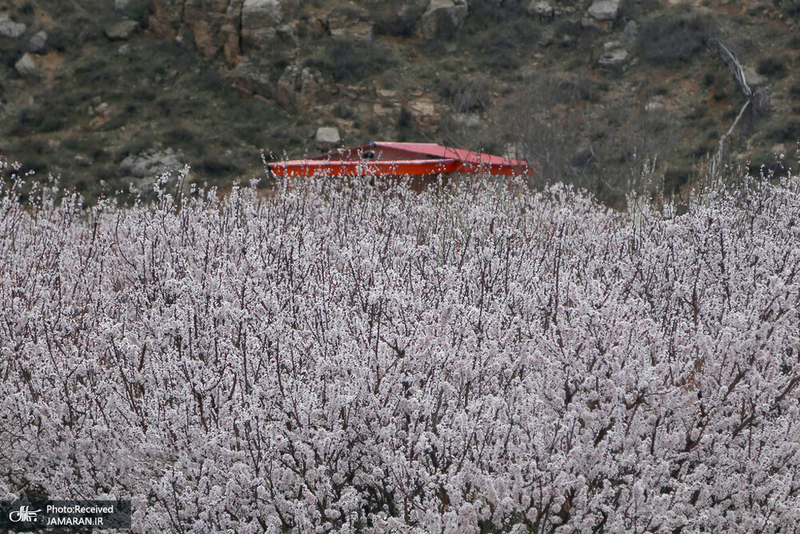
x=9 y=28
x=26 y=66
x=121 y=5
x=614 y=56
x=300 y=87
x=350 y=23
x=588 y=23
x=38 y=42
x=543 y=10
x=443 y=18
x=151 y=163
x=630 y=36
x=327 y=137
x=253 y=77
x=260 y=21
x=604 y=9
x=122 y=31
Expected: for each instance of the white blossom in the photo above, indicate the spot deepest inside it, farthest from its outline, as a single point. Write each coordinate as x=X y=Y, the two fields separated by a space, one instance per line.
x=354 y=358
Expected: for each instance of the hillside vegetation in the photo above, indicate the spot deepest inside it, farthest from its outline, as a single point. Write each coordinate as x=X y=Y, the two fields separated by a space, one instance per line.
x=342 y=357
x=107 y=94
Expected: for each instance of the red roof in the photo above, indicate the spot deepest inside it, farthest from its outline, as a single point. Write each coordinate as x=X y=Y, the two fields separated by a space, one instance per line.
x=399 y=159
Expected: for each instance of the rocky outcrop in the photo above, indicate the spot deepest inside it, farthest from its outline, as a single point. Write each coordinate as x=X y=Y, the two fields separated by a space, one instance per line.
x=38 y=43
x=213 y=25
x=260 y=21
x=604 y=9
x=11 y=29
x=26 y=66
x=148 y=165
x=443 y=18
x=424 y=112
x=351 y=23
x=251 y=76
x=232 y=28
x=542 y=10
x=614 y=56
x=301 y=88
x=166 y=18
x=123 y=30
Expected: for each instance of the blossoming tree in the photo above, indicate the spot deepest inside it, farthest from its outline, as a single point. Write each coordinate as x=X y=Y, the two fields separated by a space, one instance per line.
x=348 y=357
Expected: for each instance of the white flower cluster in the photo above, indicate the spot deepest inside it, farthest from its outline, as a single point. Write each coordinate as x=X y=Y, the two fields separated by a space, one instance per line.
x=360 y=358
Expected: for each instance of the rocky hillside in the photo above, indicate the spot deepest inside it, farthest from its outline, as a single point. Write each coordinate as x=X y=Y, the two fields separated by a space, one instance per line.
x=608 y=94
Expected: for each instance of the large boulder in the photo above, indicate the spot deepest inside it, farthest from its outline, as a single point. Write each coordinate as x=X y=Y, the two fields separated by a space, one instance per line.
x=350 y=23
x=123 y=30
x=604 y=9
x=443 y=18
x=38 y=43
x=148 y=165
x=26 y=66
x=327 y=138
x=614 y=57
x=9 y=28
x=260 y=21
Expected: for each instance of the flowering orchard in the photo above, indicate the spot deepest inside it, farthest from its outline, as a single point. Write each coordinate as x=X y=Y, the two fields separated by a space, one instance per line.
x=354 y=358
